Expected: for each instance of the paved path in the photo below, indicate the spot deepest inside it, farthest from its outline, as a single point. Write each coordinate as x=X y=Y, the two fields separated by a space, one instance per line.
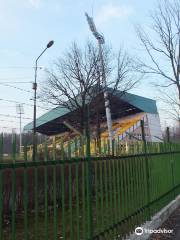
x=173 y=222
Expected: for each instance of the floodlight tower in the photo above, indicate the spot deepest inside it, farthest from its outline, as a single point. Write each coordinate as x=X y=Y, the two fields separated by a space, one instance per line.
x=20 y=111
x=100 y=40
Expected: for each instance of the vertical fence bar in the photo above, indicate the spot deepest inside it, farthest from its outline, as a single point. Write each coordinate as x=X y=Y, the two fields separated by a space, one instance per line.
x=77 y=201
x=55 y=224
x=14 y=188
x=147 y=165
x=141 y=188
x=1 y=204
x=63 y=202
x=25 y=195
x=46 y=192
x=118 y=191
x=172 y=168
x=106 y=195
x=125 y=187
x=101 y=195
x=84 y=219
x=114 y=189
x=122 y=193
x=36 y=203
x=111 y=215
x=89 y=177
x=97 y=195
x=70 y=202
x=1 y=188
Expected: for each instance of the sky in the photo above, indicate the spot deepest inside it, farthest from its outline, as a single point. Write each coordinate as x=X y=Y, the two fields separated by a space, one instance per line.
x=27 y=26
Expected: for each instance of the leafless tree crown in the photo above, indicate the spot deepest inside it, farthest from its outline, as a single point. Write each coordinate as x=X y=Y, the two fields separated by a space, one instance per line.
x=77 y=74
x=163 y=48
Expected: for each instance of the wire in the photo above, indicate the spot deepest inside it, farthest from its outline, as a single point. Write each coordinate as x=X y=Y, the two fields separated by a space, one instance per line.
x=8 y=67
x=13 y=101
x=8 y=115
x=1 y=120
x=17 y=82
x=11 y=78
x=21 y=89
x=9 y=127
x=6 y=106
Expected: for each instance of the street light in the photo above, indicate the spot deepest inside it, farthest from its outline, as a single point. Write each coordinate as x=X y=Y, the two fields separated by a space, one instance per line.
x=101 y=41
x=35 y=90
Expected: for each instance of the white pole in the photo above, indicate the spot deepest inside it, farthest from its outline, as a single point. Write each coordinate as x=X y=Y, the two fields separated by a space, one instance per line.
x=100 y=40
x=106 y=97
x=20 y=111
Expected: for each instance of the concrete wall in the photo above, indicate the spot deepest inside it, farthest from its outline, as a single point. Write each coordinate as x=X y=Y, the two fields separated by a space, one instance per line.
x=154 y=127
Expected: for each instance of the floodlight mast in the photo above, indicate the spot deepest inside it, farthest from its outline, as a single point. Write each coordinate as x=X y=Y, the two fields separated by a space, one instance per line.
x=100 y=40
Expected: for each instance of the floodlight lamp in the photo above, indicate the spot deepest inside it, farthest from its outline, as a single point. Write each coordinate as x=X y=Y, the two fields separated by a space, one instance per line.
x=91 y=23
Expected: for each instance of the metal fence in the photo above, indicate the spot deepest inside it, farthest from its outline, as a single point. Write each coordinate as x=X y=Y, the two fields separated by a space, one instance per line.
x=86 y=198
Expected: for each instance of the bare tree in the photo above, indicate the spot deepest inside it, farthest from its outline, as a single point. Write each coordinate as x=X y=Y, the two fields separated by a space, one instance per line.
x=163 y=48
x=76 y=77
x=170 y=99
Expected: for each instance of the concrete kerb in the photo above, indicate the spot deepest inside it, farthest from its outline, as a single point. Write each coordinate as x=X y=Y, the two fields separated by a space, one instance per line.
x=156 y=221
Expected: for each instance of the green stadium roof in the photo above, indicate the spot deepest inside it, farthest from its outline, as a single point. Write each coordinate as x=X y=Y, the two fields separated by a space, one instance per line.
x=141 y=103
x=145 y=104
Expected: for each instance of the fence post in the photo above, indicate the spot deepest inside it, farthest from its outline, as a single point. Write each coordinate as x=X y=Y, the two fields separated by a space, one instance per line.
x=89 y=176
x=171 y=160
x=146 y=166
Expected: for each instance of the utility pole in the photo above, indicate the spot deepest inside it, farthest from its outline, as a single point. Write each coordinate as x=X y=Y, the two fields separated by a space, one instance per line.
x=101 y=41
x=20 y=111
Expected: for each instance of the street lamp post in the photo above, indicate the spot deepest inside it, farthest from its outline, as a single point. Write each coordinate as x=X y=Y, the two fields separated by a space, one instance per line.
x=100 y=40
x=35 y=96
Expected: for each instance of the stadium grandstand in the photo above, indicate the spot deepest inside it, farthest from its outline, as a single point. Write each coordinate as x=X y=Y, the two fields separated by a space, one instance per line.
x=127 y=111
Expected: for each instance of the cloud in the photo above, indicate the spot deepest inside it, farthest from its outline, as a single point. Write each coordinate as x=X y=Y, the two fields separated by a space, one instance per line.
x=34 y=3
x=109 y=12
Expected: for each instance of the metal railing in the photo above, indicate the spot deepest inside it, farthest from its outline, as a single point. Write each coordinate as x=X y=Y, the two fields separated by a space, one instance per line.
x=62 y=197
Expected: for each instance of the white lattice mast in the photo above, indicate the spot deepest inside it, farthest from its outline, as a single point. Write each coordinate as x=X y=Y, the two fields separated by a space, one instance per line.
x=20 y=111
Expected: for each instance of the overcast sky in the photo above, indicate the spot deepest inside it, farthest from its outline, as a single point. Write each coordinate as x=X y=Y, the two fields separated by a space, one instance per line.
x=27 y=25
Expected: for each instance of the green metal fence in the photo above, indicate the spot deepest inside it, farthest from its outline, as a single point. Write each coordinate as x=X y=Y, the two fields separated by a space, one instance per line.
x=86 y=198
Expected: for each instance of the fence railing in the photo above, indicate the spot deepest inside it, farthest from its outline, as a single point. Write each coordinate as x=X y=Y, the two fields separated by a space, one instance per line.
x=65 y=197
x=77 y=148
